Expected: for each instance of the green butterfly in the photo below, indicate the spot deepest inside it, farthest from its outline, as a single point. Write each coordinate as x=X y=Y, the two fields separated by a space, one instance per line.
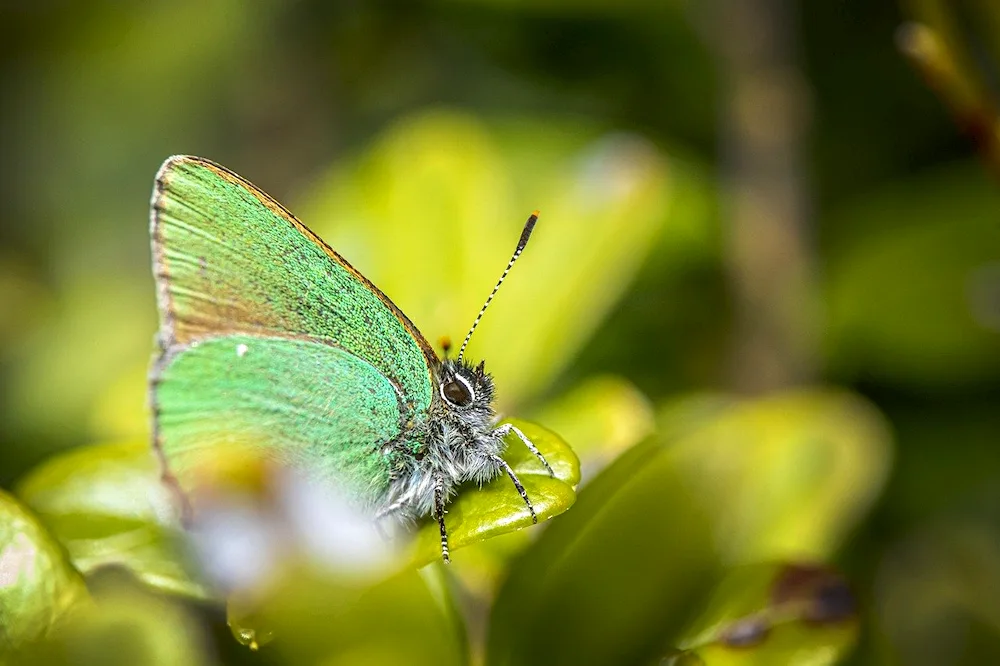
x=270 y=341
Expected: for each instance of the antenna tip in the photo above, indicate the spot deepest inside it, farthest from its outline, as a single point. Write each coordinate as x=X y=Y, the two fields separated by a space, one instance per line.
x=535 y=213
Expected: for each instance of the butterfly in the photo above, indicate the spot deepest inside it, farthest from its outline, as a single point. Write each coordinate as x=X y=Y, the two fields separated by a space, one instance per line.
x=270 y=340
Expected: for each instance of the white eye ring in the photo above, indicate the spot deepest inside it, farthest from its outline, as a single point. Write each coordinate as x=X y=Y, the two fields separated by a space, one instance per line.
x=468 y=388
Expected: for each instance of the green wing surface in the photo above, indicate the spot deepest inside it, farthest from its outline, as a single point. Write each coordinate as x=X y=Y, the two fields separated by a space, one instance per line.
x=295 y=402
x=271 y=340
x=228 y=259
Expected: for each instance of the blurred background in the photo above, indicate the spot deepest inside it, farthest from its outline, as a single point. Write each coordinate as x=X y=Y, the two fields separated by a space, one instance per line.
x=770 y=242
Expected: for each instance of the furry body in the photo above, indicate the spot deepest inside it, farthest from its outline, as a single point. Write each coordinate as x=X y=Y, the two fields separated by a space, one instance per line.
x=459 y=444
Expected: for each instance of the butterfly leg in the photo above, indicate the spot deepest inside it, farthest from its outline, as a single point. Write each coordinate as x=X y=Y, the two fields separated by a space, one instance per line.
x=506 y=428
x=439 y=516
x=517 y=484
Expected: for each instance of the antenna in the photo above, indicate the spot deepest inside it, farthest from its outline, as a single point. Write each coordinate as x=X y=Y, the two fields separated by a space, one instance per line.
x=525 y=235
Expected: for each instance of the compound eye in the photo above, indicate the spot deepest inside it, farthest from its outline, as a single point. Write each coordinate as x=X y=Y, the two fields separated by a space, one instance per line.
x=457 y=392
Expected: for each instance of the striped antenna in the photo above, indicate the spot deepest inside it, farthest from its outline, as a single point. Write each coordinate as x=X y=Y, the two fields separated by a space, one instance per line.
x=525 y=235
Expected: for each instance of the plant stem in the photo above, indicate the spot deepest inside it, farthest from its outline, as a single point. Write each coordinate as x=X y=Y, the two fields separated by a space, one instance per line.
x=770 y=262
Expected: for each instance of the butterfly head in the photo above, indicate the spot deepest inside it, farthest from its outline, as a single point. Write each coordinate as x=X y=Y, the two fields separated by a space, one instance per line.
x=465 y=388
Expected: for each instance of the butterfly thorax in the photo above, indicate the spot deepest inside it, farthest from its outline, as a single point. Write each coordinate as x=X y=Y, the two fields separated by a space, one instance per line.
x=455 y=444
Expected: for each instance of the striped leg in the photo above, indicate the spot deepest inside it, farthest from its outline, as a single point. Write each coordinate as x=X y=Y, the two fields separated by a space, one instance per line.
x=439 y=516
x=506 y=428
x=517 y=484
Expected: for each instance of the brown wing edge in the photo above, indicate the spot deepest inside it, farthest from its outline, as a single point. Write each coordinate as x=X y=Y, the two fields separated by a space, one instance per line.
x=166 y=342
x=166 y=339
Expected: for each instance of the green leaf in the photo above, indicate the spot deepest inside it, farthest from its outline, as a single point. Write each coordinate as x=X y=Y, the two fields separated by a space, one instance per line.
x=37 y=583
x=401 y=620
x=790 y=614
x=125 y=627
x=613 y=580
x=107 y=506
x=477 y=514
x=786 y=475
x=621 y=577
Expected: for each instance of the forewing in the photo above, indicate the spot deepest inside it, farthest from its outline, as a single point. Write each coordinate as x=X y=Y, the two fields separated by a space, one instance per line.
x=301 y=404
x=228 y=259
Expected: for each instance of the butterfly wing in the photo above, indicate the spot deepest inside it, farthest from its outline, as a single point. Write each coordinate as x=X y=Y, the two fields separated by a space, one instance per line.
x=300 y=403
x=236 y=272
x=230 y=259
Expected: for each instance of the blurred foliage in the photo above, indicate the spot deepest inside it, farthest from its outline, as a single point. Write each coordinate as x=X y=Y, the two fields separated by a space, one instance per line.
x=603 y=416
x=920 y=325
x=38 y=585
x=795 y=614
x=727 y=480
x=106 y=505
x=789 y=475
x=407 y=618
x=852 y=523
x=125 y=626
x=952 y=45
x=446 y=191
x=939 y=587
